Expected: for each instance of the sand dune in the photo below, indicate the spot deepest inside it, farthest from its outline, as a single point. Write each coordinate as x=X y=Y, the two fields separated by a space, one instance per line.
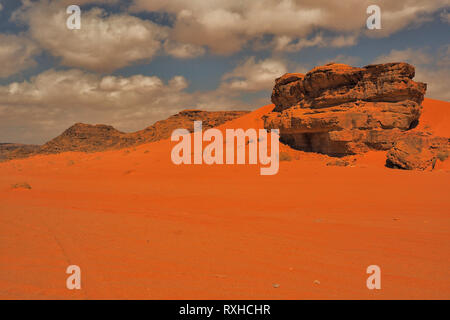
x=435 y=117
x=141 y=227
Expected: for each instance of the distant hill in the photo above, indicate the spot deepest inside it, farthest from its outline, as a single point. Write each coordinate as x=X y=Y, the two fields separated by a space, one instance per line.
x=16 y=150
x=93 y=138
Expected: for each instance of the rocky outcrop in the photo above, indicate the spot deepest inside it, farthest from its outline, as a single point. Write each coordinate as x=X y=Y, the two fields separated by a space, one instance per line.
x=86 y=138
x=16 y=150
x=418 y=151
x=339 y=110
x=92 y=138
x=184 y=119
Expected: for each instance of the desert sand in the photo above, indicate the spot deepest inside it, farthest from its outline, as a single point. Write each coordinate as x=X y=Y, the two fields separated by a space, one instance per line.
x=141 y=227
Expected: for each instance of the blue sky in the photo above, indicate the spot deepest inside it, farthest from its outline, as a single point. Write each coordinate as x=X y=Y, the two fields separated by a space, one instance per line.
x=136 y=62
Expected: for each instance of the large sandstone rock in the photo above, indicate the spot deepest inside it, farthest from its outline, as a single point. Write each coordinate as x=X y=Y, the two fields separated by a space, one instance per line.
x=418 y=151
x=338 y=110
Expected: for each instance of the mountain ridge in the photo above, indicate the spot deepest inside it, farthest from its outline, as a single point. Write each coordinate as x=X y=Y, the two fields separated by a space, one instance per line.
x=83 y=137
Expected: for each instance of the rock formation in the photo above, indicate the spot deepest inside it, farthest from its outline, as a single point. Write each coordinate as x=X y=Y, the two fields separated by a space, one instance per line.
x=184 y=119
x=339 y=110
x=16 y=150
x=92 y=138
x=86 y=138
x=418 y=150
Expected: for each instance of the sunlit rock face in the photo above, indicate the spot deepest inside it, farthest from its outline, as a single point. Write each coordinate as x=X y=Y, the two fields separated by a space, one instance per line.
x=339 y=110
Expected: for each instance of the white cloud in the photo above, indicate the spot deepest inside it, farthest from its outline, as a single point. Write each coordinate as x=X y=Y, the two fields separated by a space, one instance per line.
x=437 y=80
x=225 y=26
x=104 y=43
x=109 y=42
x=183 y=50
x=254 y=75
x=433 y=69
x=289 y=44
x=54 y=100
x=343 y=40
x=16 y=54
x=413 y=56
x=41 y=108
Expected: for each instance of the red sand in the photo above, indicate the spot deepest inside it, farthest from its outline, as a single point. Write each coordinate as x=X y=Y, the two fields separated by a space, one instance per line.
x=141 y=227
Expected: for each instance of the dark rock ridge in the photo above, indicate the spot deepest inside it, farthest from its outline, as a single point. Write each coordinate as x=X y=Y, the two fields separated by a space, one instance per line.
x=92 y=138
x=340 y=110
x=86 y=138
x=16 y=150
x=184 y=119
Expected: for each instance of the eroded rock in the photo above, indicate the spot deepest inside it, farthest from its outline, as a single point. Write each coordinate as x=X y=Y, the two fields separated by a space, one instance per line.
x=93 y=138
x=418 y=151
x=339 y=110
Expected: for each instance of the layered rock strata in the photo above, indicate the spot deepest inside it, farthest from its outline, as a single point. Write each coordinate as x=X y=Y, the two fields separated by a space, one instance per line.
x=339 y=110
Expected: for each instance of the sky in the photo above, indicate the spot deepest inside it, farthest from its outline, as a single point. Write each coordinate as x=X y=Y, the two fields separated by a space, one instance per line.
x=135 y=62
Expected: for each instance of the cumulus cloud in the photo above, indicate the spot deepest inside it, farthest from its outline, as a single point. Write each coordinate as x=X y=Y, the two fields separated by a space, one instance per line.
x=225 y=26
x=397 y=15
x=183 y=50
x=431 y=68
x=57 y=99
x=286 y=43
x=254 y=75
x=289 y=44
x=104 y=42
x=41 y=108
x=413 y=56
x=16 y=54
x=109 y=42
